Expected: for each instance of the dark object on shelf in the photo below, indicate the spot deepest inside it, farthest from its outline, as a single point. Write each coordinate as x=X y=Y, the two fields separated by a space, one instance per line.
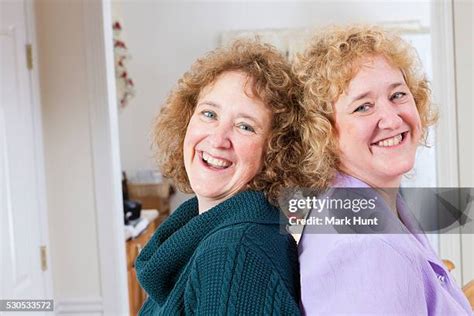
x=124 y=186
x=152 y=195
x=131 y=210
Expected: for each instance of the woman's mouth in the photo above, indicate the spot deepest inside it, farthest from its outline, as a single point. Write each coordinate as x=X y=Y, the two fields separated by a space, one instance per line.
x=392 y=141
x=214 y=162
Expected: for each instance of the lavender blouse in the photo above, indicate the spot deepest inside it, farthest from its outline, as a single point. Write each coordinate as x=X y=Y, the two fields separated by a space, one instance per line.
x=381 y=274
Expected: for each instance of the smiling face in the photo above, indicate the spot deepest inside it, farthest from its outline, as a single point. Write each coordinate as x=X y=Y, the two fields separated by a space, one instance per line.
x=225 y=139
x=378 y=125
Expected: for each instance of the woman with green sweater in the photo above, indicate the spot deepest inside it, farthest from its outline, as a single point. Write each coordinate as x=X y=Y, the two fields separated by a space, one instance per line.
x=229 y=134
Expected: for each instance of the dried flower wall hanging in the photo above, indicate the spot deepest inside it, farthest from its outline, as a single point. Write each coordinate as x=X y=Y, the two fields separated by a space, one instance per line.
x=125 y=85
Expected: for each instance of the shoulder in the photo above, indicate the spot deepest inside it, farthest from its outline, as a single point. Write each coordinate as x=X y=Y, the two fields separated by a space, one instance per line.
x=373 y=270
x=232 y=273
x=261 y=239
x=246 y=267
x=250 y=246
x=395 y=246
x=378 y=259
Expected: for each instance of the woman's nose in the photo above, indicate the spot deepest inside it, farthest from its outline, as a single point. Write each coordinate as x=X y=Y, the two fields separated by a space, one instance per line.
x=390 y=117
x=219 y=137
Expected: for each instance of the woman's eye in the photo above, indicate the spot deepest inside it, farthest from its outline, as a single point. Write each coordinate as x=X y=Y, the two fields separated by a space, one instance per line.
x=209 y=114
x=363 y=108
x=246 y=127
x=397 y=96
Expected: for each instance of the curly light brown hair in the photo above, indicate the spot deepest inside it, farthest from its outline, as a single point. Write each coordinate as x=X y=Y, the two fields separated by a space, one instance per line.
x=325 y=70
x=272 y=82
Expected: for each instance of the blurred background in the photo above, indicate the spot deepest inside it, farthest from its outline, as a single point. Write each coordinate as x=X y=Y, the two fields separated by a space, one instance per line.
x=81 y=81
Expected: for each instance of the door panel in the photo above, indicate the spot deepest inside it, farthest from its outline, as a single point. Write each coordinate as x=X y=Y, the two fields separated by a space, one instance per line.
x=21 y=273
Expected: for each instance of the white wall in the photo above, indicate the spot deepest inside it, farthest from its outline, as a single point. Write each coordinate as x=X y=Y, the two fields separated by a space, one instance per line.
x=464 y=52
x=165 y=37
x=67 y=141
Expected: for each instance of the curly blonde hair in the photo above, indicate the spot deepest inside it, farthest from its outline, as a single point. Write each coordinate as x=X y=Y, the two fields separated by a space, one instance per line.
x=325 y=70
x=272 y=82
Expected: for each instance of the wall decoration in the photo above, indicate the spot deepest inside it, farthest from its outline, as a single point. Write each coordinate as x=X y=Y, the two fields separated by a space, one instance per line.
x=125 y=85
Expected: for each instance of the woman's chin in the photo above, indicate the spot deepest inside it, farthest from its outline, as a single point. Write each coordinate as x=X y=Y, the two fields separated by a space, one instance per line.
x=393 y=178
x=395 y=169
x=212 y=194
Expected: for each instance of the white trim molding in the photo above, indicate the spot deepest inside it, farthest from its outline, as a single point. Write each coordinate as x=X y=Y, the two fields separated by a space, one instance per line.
x=444 y=92
x=463 y=16
x=79 y=306
x=99 y=65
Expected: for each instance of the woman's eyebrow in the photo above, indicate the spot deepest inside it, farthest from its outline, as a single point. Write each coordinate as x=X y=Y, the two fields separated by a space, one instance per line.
x=360 y=96
x=248 y=117
x=396 y=84
x=365 y=94
x=211 y=103
x=239 y=115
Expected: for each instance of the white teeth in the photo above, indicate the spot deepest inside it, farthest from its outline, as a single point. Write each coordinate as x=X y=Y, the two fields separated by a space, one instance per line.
x=391 y=141
x=219 y=163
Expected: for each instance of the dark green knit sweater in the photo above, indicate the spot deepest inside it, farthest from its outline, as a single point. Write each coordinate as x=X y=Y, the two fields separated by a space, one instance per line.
x=230 y=260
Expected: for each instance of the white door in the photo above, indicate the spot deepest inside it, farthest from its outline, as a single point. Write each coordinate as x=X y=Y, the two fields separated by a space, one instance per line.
x=21 y=213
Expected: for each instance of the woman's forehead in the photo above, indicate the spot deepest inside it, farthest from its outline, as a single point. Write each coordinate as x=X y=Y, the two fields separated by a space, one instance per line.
x=248 y=84
x=374 y=71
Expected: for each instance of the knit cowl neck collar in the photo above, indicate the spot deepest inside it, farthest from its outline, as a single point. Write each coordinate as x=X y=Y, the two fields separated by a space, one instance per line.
x=163 y=259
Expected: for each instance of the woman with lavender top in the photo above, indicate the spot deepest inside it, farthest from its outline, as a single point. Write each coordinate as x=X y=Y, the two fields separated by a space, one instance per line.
x=370 y=108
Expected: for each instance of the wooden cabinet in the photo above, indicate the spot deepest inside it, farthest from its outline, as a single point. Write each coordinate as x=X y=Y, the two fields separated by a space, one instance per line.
x=137 y=295
x=151 y=196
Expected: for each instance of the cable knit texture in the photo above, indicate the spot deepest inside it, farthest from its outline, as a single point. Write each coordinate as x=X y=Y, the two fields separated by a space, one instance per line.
x=230 y=260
